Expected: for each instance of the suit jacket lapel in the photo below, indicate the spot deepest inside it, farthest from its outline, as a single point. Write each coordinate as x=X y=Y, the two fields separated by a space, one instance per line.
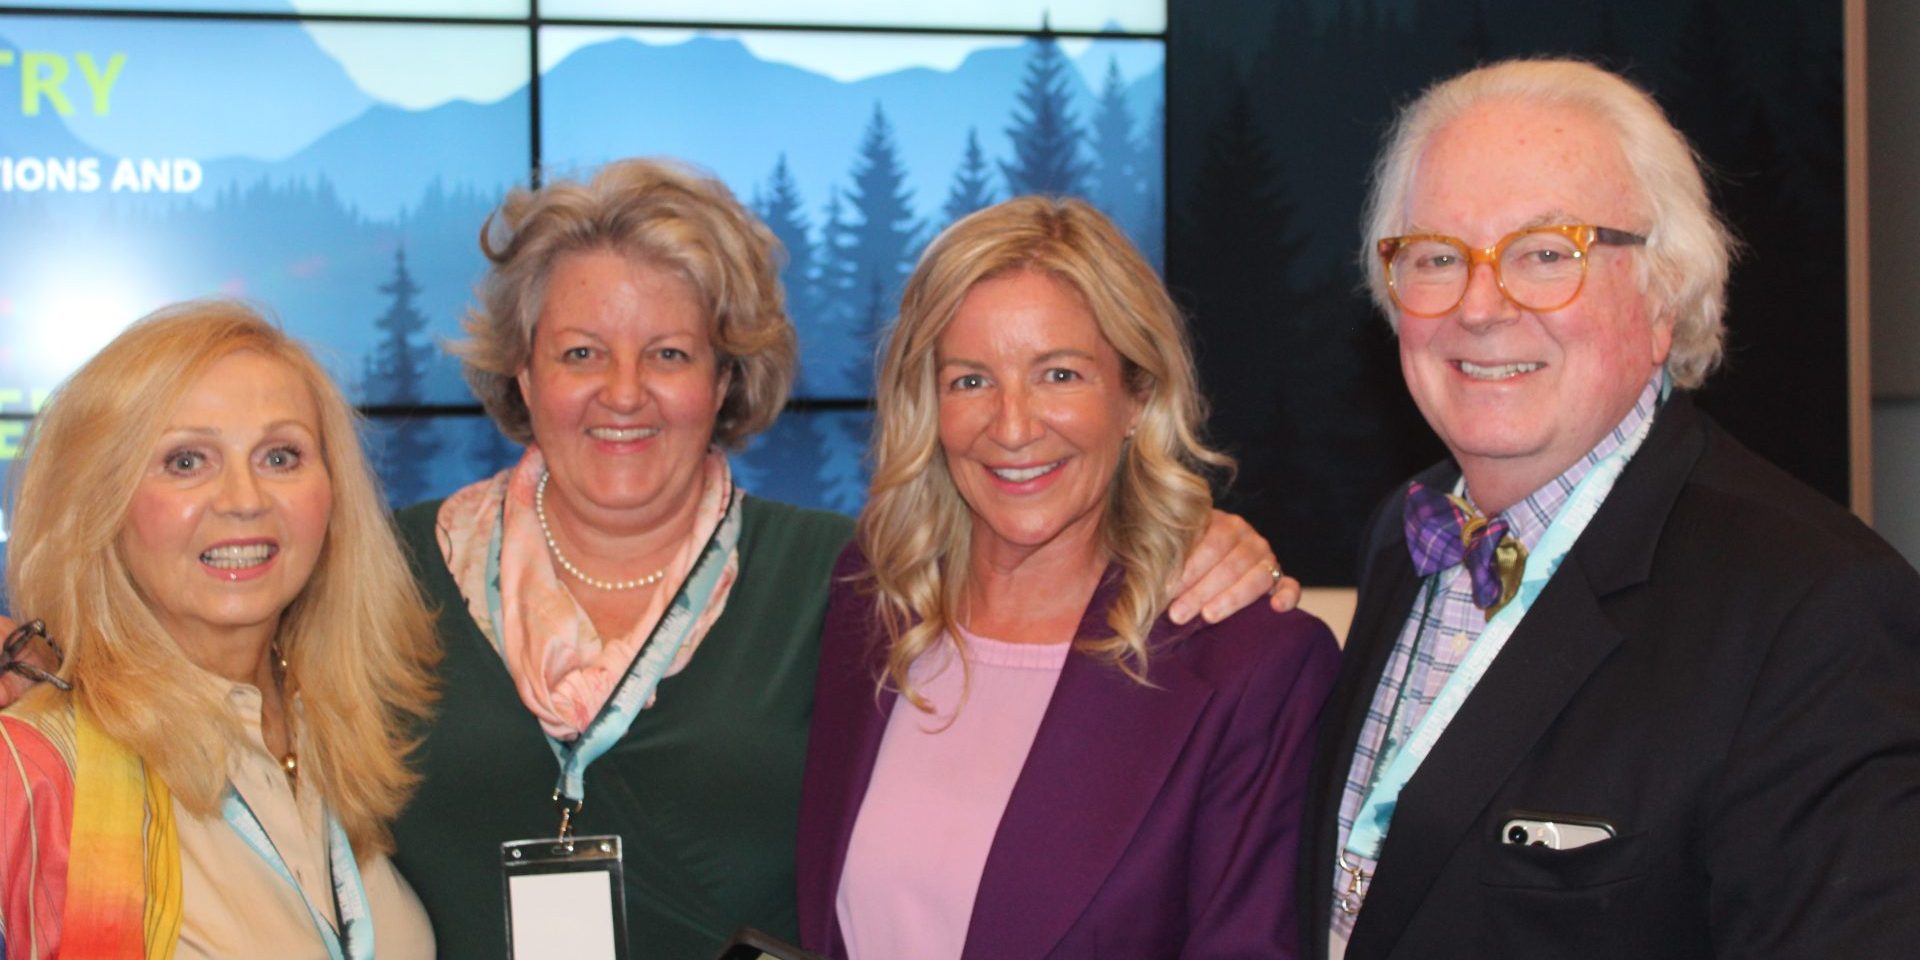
x=843 y=700
x=1390 y=592
x=1103 y=750
x=1564 y=637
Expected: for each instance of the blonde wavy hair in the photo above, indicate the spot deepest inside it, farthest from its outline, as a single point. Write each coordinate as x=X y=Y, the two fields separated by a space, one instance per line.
x=915 y=528
x=1689 y=250
x=358 y=639
x=651 y=211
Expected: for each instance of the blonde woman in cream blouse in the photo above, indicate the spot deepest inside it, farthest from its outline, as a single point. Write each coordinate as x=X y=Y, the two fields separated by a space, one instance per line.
x=212 y=769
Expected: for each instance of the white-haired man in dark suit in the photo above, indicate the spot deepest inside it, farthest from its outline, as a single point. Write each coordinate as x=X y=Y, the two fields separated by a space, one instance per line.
x=1616 y=686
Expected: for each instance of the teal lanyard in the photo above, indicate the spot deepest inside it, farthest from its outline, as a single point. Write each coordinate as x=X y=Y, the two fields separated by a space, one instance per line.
x=636 y=688
x=1400 y=763
x=1403 y=700
x=354 y=939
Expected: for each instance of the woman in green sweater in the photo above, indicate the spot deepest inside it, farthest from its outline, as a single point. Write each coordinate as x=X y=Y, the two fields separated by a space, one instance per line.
x=630 y=639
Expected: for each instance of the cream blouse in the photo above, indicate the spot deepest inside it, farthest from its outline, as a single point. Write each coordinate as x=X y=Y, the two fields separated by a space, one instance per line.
x=234 y=904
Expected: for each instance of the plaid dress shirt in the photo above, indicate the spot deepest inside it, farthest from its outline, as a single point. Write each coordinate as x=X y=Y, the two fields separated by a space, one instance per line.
x=1442 y=626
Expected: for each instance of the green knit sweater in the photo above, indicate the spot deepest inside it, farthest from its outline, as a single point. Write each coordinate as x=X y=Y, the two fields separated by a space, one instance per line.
x=704 y=787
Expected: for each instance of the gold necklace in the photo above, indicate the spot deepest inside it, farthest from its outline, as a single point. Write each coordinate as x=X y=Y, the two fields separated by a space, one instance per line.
x=540 y=512
x=289 y=761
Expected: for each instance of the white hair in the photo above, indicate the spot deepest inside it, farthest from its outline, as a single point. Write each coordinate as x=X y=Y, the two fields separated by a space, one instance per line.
x=1688 y=251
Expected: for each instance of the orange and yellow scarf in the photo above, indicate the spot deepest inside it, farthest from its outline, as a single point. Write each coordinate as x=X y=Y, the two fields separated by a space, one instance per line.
x=125 y=901
x=123 y=852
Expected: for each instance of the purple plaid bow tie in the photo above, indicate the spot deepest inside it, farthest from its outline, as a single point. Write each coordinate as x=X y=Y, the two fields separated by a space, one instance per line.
x=1443 y=530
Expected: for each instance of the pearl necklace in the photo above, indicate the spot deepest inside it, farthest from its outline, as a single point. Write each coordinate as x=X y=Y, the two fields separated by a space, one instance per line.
x=540 y=512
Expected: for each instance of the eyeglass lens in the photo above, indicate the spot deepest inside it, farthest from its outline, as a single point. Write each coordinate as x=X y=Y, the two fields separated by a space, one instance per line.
x=1539 y=271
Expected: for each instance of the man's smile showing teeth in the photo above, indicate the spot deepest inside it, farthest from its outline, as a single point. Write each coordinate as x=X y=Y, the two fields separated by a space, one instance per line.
x=239 y=556
x=622 y=434
x=1499 y=371
x=1024 y=474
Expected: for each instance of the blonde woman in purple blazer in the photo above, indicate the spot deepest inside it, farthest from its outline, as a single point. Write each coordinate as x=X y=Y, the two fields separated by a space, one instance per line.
x=1014 y=753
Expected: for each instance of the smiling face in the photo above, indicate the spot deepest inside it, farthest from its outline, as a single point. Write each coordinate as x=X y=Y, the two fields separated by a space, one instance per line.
x=1519 y=396
x=1034 y=411
x=623 y=385
x=231 y=512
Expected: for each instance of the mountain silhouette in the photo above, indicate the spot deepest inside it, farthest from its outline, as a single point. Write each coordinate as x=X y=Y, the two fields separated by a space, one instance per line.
x=623 y=98
x=379 y=160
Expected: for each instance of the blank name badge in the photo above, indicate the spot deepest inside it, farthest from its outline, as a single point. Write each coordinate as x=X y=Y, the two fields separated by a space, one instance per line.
x=565 y=899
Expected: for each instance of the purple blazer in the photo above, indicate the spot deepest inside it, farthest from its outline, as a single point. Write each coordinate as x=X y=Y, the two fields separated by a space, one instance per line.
x=1147 y=822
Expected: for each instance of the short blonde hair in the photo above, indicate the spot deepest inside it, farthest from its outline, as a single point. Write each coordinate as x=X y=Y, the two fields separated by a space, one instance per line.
x=915 y=527
x=1689 y=250
x=651 y=211
x=358 y=639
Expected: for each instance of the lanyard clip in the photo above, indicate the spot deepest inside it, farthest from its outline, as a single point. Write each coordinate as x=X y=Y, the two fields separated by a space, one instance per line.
x=568 y=807
x=1355 y=893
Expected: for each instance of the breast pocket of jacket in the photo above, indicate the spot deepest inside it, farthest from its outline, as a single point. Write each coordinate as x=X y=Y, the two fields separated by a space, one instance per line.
x=1585 y=867
x=1536 y=895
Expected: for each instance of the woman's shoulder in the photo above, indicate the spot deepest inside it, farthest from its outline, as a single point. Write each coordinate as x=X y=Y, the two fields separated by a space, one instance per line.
x=419 y=516
x=37 y=738
x=852 y=598
x=36 y=821
x=786 y=516
x=851 y=634
x=1256 y=639
x=420 y=522
x=418 y=526
x=816 y=536
x=41 y=714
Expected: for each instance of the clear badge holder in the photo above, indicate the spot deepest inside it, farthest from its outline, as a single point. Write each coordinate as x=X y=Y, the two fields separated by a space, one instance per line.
x=566 y=899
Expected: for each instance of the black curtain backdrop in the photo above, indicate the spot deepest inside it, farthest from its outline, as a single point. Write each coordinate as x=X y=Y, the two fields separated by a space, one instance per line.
x=1275 y=110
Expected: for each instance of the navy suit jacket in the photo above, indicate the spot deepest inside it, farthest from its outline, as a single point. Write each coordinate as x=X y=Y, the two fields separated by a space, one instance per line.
x=1147 y=821
x=1726 y=667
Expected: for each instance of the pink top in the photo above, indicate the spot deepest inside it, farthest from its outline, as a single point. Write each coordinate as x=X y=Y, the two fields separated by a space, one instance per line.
x=939 y=786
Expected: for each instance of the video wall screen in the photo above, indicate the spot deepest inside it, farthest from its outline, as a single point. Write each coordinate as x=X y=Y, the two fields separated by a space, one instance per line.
x=160 y=160
x=337 y=172
x=1088 y=16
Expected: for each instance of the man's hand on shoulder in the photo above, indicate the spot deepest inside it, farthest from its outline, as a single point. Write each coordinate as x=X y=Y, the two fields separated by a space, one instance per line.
x=1231 y=567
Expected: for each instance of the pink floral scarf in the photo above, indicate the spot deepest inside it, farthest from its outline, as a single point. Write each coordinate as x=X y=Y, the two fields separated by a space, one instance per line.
x=563 y=669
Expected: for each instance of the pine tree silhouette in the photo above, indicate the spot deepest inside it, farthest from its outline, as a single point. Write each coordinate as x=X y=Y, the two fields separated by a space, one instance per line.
x=490 y=451
x=843 y=471
x=871 y=308
x=834 y=286
x=394 y=375
x=783 y=211
x=1153 y=179
x=1116 y=183
x=971 y=188
x=1046 y=137
x=783 y=461
x=1241 y=215
x=883 y=237
x=1274 y=344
